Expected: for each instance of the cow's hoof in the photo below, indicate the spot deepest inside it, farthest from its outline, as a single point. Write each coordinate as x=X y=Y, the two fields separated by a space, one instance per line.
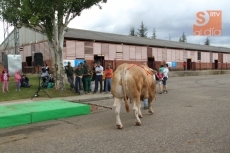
x=119 y=126
x=138 y=123
x=150 y=111
x=140 y=116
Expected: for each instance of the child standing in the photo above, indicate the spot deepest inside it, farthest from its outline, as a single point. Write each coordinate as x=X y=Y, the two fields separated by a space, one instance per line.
x=5 y=79
x=17 y=79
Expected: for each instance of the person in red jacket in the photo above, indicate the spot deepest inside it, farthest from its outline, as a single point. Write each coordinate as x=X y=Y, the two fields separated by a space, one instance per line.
x=5 y=79
x=184 y=65
x=108 y=78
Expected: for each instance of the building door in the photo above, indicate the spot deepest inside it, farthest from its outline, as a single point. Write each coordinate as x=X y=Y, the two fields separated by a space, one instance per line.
x=189 y=64
x=100 y=59
x=216 y=64
x=151 y=63
x=28 y=60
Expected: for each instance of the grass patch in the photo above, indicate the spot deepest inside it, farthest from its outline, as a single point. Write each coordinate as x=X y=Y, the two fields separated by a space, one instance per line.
x=26 y=93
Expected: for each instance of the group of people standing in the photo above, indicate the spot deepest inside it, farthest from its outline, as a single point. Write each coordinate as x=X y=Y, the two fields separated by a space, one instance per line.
x=162 y=77
x=20 y=80
x=84 y=76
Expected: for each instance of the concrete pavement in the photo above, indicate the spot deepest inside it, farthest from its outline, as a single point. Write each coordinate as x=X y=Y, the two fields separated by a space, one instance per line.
x=101 y=96
x=192 y=118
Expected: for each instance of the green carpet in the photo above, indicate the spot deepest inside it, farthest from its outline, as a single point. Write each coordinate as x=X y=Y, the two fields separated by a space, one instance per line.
x=26 y=113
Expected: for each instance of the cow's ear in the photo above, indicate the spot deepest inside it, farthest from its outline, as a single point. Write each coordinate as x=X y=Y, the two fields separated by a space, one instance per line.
x=153 y=71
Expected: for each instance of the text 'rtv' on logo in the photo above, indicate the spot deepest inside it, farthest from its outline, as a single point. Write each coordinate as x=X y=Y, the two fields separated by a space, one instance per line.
x=208 y=23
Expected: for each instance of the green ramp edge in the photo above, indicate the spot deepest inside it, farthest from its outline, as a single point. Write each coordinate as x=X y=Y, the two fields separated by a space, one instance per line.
x=26 y=113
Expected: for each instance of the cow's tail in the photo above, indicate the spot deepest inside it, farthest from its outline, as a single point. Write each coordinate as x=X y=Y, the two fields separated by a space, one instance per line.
x=123 y=83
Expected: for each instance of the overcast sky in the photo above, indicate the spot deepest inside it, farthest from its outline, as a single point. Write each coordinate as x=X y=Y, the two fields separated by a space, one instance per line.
x=168 y=17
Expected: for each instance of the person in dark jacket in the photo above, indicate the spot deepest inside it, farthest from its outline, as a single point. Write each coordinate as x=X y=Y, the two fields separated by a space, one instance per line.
x=78 y=73
x=87 y=81
x=25 y=81
x=69 y=73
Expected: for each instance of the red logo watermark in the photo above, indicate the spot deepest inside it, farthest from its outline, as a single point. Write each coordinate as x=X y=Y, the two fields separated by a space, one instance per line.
x=208 y=23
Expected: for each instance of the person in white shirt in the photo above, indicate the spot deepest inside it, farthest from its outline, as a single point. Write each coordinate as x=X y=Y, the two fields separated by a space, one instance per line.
x=165 y=78
x=98 y=78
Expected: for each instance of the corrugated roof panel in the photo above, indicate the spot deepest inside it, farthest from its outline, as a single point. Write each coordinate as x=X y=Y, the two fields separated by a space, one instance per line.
x=169 y=55
x=154 y=52
x=37 y=47
x=149 y=52
x=164 y=55
x=112 y=52
x=70 y=48
x=181 y=55
x=195 y=56
x=159 y=54
x=125 y=52
x=144 y=53
x=46 y=55
x=215 y=56
x=119 y=48
x=192 y=54
x=104 y=50
x=119 y=55
x=132 y=53
x=89 y=57
x=228 y=59
x=188 y=54
x=173 y=55
x=108 y=37
x=42 y=48
x=185 y=55
x=79 y=49
x=97 y=48
x=177 y=52
x=138 y=53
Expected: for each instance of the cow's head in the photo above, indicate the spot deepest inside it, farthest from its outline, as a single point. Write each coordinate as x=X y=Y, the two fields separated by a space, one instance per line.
x=153 y=71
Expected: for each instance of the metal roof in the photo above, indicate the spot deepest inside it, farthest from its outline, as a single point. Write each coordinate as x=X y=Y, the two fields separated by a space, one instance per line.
x=125 y=39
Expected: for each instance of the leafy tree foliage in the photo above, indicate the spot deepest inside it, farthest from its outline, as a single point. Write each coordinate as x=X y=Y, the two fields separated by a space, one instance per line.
x=50 y=17
x=143 y=31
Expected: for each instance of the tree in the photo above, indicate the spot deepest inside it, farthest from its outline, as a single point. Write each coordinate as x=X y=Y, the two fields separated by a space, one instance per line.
x=51 y=17
x=183 y=38
x=142 y=32
x=132 y=32
x=154 y=34
x=207 y=41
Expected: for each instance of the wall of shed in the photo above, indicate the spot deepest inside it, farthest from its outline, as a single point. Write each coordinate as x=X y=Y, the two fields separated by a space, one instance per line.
x=119 y=53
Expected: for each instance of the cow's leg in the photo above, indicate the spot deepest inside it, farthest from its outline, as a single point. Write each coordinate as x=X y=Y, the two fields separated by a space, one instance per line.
x=136 y=104
x=117 y=106
x=150 y=105
x=139 y=111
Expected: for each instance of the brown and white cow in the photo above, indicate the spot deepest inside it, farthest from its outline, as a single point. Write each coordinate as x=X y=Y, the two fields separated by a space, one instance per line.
x=135 y=82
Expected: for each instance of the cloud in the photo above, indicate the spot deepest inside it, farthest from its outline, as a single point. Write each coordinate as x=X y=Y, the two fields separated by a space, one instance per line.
x=166 y=16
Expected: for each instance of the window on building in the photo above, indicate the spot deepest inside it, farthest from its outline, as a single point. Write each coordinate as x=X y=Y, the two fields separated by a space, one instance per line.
x=119 y=55
x=198 y=55
x=88 y=48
